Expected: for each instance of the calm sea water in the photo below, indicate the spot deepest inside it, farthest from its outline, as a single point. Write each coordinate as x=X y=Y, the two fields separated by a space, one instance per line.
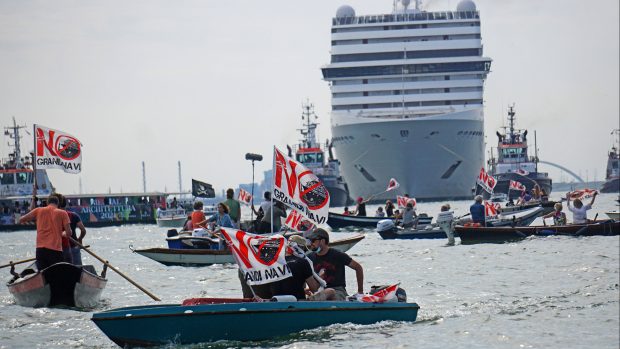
x=554 y=292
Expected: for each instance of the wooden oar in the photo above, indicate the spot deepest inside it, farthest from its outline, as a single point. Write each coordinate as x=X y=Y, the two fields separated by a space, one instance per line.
x=116 y=270
x=18 y=262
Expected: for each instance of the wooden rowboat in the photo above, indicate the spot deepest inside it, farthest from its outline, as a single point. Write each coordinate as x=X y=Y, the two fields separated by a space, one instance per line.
x=338 y=221
x=154 y=325
x=200 y=257
x=61 y=284
x=472 y=235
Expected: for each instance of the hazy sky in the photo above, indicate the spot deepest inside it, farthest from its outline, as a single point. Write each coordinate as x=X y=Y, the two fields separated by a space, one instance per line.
x=204 y=82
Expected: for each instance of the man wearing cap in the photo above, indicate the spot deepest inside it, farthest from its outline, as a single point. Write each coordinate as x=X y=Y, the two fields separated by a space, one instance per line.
x=329 y=264
x=301 y=275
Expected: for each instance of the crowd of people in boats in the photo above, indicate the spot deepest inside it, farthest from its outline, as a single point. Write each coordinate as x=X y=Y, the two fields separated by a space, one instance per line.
x=578 y=209
x=407 y=218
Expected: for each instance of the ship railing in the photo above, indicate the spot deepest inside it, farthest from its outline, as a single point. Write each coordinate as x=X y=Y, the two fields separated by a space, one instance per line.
x=406 y=17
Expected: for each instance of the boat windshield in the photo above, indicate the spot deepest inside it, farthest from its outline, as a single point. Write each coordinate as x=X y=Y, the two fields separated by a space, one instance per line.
x=310 y=158
x=512 y=152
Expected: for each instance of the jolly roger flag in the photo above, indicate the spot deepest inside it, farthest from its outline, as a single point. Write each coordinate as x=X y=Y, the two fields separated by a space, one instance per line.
x=202 y=189
x=260 y=257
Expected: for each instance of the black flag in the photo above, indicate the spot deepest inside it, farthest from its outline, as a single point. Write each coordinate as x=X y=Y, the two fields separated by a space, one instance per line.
x=202 y=189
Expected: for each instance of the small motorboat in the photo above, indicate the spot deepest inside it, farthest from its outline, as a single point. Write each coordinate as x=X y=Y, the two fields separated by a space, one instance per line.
x=472 y=235
x=172 y=218
x=237 y=320
x=61 y=284
x=188 y=250
x=339 y=221
x=615 y=215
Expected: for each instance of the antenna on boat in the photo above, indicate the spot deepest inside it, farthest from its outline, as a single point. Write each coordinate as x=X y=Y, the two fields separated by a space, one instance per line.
x=309 y=130
x=180 y=182
x=13 y=133
x=143 y=178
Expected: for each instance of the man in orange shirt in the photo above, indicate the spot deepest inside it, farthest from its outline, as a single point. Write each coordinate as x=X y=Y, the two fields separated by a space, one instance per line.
x=51 y=221
x=198 y=217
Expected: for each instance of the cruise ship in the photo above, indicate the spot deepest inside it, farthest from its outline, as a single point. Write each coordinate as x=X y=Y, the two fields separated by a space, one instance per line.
x=407 y=100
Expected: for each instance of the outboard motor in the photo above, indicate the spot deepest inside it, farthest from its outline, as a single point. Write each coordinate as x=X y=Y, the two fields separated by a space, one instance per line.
x=386 y=226
x=445 y=220
x=172 y=232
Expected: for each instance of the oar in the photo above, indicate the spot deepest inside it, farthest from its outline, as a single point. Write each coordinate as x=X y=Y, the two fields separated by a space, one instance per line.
x=18 y=262
x=116 y=270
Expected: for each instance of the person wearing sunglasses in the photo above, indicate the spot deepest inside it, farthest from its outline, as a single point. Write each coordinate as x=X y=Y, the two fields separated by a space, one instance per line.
x=329 y=263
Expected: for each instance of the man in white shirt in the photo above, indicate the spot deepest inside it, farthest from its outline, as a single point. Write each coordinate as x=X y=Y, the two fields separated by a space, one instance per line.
x=579 y=210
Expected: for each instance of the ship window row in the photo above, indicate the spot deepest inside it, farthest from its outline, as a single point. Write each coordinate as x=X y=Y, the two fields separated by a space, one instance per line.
x=407 y=91
x=407 y=104
x=15 y=178
x=360 y=57
x=470 y=133
x=406 y=17
x=330 y=73
x=407 y=26
x=406 y=39
x=407 y=79
x=343 y=138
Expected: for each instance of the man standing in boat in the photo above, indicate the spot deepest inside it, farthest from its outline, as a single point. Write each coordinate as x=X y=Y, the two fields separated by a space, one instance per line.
x=50 y=224
x=329 y=264
x=75 y=222
x=233 y=207
x=477 y=211
x=578 y=209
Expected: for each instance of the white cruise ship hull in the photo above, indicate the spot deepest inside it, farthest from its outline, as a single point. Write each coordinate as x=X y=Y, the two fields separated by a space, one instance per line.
x=433 y=158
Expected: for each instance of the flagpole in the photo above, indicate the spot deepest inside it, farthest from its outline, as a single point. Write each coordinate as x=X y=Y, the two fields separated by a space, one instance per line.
x=33 y=204
x=273 y=172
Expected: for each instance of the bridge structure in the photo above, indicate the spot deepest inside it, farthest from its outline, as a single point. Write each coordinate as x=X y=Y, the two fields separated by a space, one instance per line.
x=563 y=169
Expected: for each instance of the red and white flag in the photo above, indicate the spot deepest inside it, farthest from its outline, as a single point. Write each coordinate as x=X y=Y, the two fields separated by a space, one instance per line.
x=244 y=197
x=402 y=201
x=380 y=296
x=393 y=184
x=260 y=257
x=486 y=181
x=522 y=172
x=299 y=188
x=514 y=185
x=57 y=149
x=491 y=209
x=297 y=222
x=582 y=194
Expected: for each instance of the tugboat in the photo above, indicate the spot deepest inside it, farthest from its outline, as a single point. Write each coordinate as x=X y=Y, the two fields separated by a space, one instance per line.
x=513 y=163
x=312 y=155
x=612 y=178
x=16 y=173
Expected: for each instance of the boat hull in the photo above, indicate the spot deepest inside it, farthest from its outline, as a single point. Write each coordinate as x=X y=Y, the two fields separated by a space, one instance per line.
x=338 y=221
x=171 y=222
x=435 y=157
x=611 y=186
x=409 y=234
x=201 y=257
x=165 y=324
x=472 y=235
x=61 y=284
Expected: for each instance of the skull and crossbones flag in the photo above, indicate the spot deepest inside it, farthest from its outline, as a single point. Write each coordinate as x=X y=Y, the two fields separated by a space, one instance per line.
x=202 y=189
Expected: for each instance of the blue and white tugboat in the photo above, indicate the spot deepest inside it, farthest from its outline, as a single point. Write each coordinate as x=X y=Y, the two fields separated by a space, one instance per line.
x=310 y=153
x=512 y=162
